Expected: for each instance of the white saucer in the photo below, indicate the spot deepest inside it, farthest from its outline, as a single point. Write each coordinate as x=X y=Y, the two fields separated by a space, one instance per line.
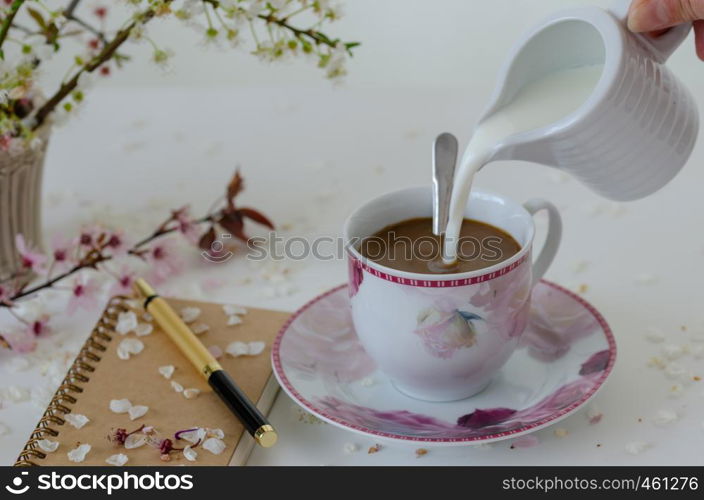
x=567 y=353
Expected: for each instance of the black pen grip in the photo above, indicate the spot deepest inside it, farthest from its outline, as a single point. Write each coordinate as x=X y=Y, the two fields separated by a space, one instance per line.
x=235 y=399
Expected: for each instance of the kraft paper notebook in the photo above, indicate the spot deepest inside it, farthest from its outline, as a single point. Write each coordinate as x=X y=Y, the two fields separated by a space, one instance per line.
x=98 y=376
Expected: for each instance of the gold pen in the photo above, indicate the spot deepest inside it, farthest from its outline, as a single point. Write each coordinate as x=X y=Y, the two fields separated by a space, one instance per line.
x=223 y=385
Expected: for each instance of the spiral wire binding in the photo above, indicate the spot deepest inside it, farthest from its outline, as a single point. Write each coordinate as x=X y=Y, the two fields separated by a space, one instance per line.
x=78 y=374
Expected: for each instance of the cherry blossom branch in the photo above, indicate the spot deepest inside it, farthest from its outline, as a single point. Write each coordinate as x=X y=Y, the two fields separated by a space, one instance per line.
x=7 y=22
x=105 y=54
x=93 y=248
x=91 y=261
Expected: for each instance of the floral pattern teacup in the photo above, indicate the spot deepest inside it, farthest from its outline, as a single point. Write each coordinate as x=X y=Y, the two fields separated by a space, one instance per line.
x=444 y=337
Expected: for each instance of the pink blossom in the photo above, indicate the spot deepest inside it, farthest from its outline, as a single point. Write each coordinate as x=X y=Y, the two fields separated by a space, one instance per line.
x=164 y=260
x=89 y=236
x=31 y=258
x=5 y=293
x=125 y=279
x=21 y=341
x=61 y=250
x=39 y=326
x=187 y=225
x=116 y=243
x=83 y=294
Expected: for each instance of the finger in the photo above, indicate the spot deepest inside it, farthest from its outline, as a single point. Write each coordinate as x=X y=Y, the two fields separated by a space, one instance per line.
x=699 y=38
x=652 y=15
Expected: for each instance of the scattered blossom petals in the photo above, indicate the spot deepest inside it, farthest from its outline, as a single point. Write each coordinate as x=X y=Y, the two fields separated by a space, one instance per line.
x=215 y=351
x=231 y=310
x=128 y=347
x=216 y=433
x=191 y=393
x=76 y=419
x=525 y=442
x=665 y=417
x=143 y=329
x=15 y=393
x=234 y=320
x=176 y=386
x=200 y=328
x=47 y=446
x=135 y=441
x=79 y=453
x=126 y=322
x=120 y=405
x=190 y=454
x=137 y=411
x=637 y=447
x=214 y=445
x=190 y=314
x=256 y=348
x=167 y=371
x=194 y=435
x=238 y=348
x=350 y=448
x=119 y=459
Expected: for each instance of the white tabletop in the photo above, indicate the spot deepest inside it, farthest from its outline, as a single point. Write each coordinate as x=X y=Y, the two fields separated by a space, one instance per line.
x=309 y=157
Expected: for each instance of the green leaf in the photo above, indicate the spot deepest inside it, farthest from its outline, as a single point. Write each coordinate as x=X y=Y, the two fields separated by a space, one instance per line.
x=37 y=16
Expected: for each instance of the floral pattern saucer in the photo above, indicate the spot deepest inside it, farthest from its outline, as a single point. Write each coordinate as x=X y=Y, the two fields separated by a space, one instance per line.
x=567 y=352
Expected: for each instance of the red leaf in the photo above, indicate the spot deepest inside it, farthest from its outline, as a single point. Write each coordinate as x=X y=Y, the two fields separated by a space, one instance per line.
x=256 y=216
x=206 y=241
x=234 y=188
x=233 y=224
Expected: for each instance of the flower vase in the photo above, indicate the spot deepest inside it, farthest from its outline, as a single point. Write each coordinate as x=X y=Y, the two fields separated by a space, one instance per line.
x=21 y=173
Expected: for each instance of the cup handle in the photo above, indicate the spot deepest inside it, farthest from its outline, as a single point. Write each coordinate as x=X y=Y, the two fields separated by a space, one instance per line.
x=662 y=46
x=552 y=242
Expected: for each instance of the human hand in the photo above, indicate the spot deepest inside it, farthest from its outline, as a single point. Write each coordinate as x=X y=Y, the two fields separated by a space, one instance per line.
x=656 y=16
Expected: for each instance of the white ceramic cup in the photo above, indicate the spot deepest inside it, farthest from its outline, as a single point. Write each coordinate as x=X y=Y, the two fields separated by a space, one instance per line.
x=443 y=337
x=639 y=126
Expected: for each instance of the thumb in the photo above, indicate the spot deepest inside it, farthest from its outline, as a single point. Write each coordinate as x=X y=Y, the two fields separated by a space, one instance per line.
x=652 y=15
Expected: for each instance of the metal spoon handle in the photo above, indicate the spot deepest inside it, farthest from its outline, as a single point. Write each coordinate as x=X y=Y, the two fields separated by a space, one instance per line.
x=444 y=160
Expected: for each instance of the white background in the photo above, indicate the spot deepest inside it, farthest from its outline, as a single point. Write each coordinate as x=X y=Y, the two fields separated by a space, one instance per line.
x=310 y=152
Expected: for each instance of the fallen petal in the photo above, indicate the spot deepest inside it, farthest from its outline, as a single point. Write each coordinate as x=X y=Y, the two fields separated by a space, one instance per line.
x=190 y=314
x=135 y=441
x=176 y=386
x=191 y=393
x=217 y=433
x=76 y=419
x=256 y=348
x=119 y=459
x=167 y=371
x=200 y=328
x=234 y=320
x=144 y=329
x=120 y=405
x=190 y=454
x=126 y=322
x=79 y=453
x=237 y=349
x=231 y=310
x=214 y=445
x=138 y=411
x=215 y=351
x=47 y=446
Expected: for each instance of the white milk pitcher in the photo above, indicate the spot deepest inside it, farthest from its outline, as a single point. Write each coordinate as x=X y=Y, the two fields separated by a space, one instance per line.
x=639 y=125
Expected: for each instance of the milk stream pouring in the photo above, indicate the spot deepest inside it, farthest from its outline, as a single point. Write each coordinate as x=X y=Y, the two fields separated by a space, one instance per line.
x=605 y=108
